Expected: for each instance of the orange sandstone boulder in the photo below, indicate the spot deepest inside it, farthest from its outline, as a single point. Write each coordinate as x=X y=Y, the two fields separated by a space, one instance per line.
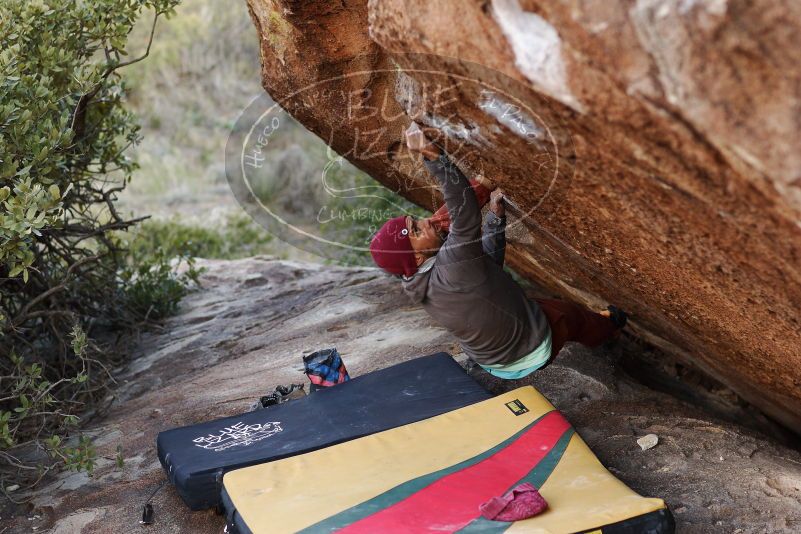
x=651 y=149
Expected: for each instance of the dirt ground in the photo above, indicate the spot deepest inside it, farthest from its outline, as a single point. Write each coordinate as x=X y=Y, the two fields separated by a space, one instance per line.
x=243 y=333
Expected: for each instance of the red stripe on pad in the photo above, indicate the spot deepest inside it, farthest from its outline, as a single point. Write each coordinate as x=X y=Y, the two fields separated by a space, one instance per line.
x=452 y=502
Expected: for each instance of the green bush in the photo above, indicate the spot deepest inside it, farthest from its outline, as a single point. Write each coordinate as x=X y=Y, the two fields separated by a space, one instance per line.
x=64 y=132
x=238 y=237
x=153 y=289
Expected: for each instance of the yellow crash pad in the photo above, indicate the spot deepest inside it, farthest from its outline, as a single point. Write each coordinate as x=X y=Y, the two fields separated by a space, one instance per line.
x=432 y=475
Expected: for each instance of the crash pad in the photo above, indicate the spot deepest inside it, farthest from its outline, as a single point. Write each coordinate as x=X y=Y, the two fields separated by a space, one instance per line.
x=195 y=457
x=432 y=476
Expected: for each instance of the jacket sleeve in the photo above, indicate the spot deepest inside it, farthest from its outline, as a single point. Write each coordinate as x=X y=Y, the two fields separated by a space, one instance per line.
x=459 y=199
x=493 y=237
x=460 y=263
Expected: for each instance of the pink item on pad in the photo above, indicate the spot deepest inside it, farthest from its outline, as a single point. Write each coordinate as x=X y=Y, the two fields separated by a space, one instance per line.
x=521 y=502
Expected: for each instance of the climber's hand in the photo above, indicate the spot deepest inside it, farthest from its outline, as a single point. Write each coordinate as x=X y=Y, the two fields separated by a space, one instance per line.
x=498 y=203
x=418 y=142
x=488 y=184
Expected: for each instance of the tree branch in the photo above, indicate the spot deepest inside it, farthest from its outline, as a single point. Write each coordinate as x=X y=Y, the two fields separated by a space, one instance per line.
x=78 y=123
x=55 y=289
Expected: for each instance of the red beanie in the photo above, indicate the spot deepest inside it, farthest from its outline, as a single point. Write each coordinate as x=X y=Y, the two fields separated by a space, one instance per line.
x=392 y=250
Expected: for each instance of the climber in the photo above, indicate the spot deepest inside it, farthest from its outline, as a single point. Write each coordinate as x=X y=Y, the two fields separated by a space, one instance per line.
x=459 y=279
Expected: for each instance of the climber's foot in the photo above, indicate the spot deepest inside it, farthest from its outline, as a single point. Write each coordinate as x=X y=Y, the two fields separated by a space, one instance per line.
x=616 y=315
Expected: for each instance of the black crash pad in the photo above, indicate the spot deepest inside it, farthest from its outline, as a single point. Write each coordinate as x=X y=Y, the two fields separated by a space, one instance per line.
x=196 y=457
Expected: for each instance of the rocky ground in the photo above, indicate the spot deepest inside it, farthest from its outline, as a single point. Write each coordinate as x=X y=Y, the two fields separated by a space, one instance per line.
x=243 y=333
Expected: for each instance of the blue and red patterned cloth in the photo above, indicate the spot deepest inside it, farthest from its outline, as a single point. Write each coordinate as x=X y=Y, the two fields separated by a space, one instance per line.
x=325 y=368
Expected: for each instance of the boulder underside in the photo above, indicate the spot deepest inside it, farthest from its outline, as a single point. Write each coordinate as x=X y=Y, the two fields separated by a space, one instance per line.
x=650 y=148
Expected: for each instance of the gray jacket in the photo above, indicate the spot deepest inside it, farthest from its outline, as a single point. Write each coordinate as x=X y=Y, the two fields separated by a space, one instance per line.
x=467 y=291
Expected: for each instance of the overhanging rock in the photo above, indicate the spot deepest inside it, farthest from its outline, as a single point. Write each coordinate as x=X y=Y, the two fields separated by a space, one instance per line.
x=651 y=147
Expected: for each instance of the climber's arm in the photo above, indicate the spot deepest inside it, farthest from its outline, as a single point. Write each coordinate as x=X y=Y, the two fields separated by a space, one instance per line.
x=465 y=215
x=460 y=200
x=493 y=238
x=493 y=235
x=459 y=261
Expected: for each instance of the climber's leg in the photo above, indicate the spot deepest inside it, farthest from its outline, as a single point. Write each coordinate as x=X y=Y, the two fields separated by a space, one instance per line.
x=571 y=322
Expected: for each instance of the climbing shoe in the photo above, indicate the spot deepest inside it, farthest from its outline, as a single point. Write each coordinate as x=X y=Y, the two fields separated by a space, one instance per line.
x=617 y=316
x=280 y=396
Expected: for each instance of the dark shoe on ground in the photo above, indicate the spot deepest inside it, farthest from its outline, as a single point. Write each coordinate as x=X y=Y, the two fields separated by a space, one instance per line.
x=281 y=395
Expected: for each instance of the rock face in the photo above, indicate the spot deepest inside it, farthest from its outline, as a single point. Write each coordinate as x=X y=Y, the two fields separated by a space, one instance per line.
x=243 y=333
x=651 y=147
